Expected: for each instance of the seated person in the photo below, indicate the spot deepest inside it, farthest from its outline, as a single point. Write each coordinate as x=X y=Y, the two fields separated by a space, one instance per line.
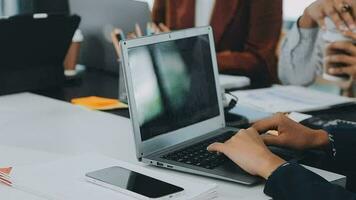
x=303 y=52
x=288 y=180
x=246 y=32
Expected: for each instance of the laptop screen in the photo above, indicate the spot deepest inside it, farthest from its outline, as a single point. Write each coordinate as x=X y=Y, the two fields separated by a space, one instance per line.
x=173 y=85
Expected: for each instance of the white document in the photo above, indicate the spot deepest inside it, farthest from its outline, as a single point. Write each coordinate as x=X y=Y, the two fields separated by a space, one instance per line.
x=288 y=99
x=233 y=82
x=65 y=180
x=298 y=117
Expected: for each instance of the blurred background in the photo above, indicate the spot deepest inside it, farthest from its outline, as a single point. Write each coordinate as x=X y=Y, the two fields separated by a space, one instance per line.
x=103 y=57
x=292 y=8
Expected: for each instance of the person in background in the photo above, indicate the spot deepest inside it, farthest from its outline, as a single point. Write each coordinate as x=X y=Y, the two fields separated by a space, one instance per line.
x=246 y=32
x=289 y=180
x=303 y=54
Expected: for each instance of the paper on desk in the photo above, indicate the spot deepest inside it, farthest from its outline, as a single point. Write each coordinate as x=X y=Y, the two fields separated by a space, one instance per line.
x=233 y=82
x=65 y=179
x=298 y=117
x=288 y=99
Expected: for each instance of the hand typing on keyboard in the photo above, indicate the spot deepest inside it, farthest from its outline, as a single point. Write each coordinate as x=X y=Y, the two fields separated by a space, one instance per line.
x=248 y=150
x=291 y=134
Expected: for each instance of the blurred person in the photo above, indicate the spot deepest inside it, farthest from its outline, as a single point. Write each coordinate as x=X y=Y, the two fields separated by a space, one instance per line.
x=305 y=54
x=246 y=32
x=289 y=180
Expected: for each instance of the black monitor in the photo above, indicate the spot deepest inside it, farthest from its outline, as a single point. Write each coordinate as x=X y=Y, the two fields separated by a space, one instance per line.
x=32 y=51
x=21 y=7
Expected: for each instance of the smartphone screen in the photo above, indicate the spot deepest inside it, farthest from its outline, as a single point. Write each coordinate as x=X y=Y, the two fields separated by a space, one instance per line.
x=134 y=182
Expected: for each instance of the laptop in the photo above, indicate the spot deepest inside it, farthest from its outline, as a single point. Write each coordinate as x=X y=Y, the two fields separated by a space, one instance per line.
x=33 y=48
x=99 y=18
x=175 y=103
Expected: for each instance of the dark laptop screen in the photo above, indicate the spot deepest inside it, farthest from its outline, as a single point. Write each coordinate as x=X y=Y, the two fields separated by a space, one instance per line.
x=174 y=85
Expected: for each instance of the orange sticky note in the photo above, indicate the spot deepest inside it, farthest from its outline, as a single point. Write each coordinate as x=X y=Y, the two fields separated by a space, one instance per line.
x=99 y=103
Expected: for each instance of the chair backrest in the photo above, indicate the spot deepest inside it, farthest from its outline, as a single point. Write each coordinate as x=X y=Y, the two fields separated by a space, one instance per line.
x=32 y=51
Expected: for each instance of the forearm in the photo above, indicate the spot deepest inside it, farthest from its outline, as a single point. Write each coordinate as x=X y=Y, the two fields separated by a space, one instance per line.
x=299 y=57
x=248 y=64
x=342 y=145
x=159 y=11
x=294 y=182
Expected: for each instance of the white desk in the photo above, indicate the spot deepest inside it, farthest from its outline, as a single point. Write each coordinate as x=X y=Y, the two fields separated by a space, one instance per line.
x=36 y=129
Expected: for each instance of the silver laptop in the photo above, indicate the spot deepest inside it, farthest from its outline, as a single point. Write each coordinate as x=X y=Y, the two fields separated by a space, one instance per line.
x=176 y=104
x=99 y=17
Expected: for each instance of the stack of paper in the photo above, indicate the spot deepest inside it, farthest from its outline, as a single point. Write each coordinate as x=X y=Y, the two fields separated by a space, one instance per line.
x=288 y=99
x=65 y=180
x=229 y=82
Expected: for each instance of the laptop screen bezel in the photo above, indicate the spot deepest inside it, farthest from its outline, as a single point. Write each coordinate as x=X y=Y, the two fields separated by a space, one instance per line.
x=144 y=148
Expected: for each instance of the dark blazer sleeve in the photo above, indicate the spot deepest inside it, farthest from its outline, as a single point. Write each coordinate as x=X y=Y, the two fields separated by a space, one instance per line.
x=294 y=182
x=343 y=144
x=258 y=60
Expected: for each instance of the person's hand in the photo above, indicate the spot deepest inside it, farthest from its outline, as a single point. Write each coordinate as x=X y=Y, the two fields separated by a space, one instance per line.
x=291 y=134
x=343 y=53
x=160 y=28
x=248 y=151
x=341 y=12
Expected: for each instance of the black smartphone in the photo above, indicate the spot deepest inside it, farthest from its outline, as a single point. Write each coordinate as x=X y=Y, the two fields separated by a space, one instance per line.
x=134 y=184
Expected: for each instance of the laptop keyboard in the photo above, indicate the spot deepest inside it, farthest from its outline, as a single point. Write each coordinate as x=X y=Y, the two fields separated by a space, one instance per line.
x=197 y=155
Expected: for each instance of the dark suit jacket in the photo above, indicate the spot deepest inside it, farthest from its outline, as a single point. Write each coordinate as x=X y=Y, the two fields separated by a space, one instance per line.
x=294 y=182
x=250 y=29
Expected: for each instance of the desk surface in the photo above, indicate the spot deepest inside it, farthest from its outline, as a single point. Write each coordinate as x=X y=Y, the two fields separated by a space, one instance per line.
x=36 y=129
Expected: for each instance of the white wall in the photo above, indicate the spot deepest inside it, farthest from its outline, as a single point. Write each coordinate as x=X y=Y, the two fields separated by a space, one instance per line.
x=293 y=9
x=150 y=3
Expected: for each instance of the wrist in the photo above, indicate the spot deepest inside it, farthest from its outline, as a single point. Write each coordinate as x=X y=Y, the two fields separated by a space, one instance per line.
x=306 y=21
x=271 y=163
x=321 y=139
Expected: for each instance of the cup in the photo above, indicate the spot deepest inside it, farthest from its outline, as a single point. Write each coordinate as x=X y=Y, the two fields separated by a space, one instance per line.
x=332 y=34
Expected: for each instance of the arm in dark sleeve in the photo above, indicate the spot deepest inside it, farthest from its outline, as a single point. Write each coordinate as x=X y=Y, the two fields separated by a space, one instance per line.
x=294 y=182
x=343 y=144
x=258 y=60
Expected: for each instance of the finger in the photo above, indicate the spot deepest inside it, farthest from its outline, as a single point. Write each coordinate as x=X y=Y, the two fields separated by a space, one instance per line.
x=114 y=37
x=155 y=28
x=164 y=28
x=267 y=124
x=271 y=140
x=216 y=147
x=352 y=3
x=350 y=34
x=346 y=15
x=333 y=13
x=138 y=30
x=349 y=20
x=344 y=59
x=343 y=70
x=131 y=35
x=347 y=47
